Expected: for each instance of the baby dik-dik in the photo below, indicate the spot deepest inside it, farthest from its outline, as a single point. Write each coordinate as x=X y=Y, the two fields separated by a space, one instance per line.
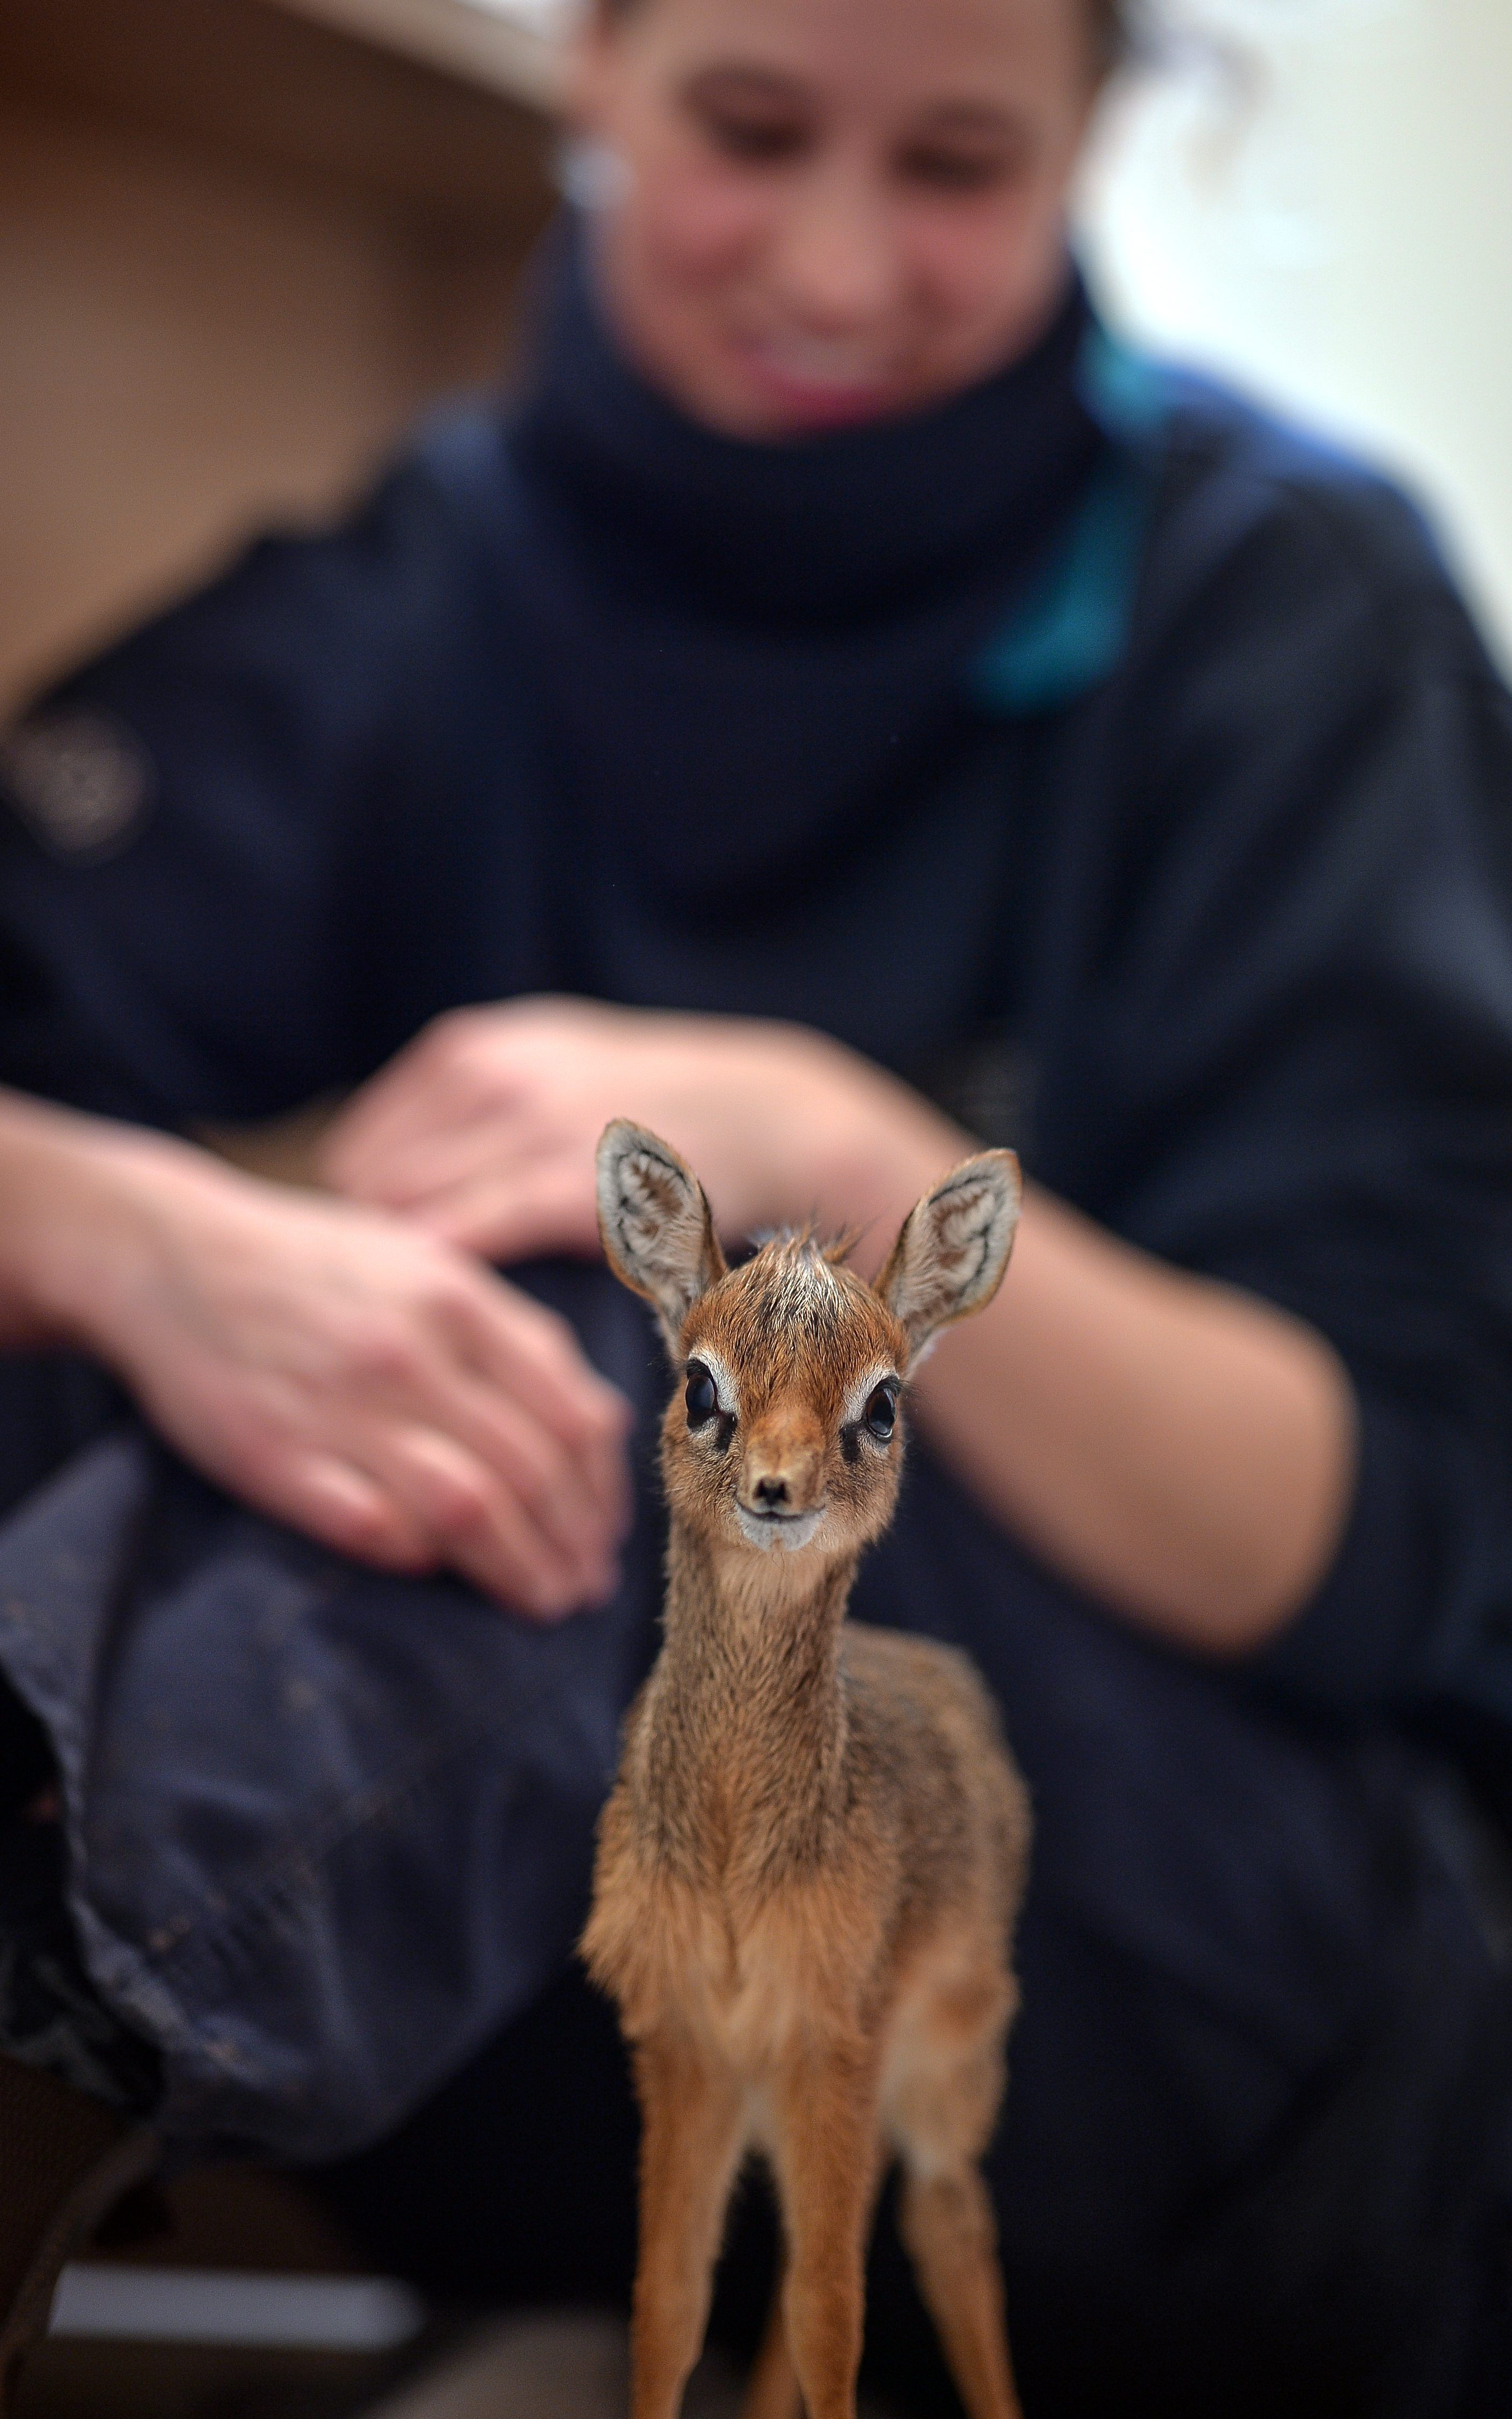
x=810 y=1865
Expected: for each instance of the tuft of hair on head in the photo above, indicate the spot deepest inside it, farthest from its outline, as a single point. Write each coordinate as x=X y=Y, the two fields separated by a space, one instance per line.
x=952 y=1249
x=655 y=1222
x=834 y=1250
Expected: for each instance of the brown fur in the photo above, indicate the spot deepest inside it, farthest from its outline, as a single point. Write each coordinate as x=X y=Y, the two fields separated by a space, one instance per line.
x=810 y=1868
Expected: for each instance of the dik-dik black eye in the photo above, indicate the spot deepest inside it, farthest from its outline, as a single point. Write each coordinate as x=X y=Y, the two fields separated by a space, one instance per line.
x=881 y=1412
x=703 y=1397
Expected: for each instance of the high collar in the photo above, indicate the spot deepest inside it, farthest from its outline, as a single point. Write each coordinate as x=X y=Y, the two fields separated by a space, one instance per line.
x=853 y=524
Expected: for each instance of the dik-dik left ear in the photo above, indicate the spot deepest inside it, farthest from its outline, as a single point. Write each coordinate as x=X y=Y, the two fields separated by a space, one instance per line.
x=949 y=1258
x=658 y=1234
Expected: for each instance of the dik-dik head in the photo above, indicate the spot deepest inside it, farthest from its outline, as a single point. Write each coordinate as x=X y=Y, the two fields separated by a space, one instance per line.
x=787 y=1429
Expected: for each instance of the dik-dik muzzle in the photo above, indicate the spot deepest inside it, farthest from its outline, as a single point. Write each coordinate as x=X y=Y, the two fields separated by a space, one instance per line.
x=780 y=1482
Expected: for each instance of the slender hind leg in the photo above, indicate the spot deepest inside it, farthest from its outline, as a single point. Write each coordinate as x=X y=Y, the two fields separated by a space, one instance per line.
x=772 y=2391
x=948 y=2087
x=947 y=2223
x=692 y=2134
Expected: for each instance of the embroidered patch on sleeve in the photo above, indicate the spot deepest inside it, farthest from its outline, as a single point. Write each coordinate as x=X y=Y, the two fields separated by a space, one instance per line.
x=79 y=780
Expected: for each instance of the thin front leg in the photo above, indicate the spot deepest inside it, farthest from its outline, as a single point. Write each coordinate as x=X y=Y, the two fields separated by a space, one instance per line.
x=946 y=2221
x=827 y=2167
x=692 y=2138
x=772 y=2391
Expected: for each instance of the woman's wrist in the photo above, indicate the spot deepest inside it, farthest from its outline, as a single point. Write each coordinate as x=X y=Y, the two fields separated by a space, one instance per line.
x=77 y=1192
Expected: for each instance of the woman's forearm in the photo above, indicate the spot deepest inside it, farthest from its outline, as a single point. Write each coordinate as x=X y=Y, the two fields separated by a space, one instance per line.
x=1180 y=1449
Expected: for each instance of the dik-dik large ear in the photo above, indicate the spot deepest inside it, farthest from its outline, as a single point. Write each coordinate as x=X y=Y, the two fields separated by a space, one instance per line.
x=658 y=1234
x=949 y=1258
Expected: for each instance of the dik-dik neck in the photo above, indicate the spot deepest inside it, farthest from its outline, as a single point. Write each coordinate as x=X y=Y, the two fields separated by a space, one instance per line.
x=745 y=1755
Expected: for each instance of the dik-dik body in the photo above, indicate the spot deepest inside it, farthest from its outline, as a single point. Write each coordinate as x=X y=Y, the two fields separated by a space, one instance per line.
x=810 y=1868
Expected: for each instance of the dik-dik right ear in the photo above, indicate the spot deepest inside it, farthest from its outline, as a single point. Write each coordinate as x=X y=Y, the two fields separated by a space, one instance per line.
x=657 y=1230
x=949 y=1258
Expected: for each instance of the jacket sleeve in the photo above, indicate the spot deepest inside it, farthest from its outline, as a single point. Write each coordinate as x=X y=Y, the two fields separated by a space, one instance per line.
x=1291 y=1063
x=183 y=828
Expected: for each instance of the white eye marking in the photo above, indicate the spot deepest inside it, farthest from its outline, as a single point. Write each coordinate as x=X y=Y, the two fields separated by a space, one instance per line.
x=724 y=1385
x=884 y=1374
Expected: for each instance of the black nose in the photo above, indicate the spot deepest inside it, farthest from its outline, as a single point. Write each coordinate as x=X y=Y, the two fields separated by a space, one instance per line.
x=771 y=1490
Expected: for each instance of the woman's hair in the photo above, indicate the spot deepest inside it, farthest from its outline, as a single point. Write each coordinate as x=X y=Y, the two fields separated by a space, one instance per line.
x=1113 y=30
x=1113 y=27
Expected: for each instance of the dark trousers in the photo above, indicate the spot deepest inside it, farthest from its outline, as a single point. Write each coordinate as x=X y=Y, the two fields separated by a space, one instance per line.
x=332 y=1835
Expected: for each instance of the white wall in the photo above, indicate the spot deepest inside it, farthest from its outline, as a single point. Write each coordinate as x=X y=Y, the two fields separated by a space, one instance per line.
x=1329 y=218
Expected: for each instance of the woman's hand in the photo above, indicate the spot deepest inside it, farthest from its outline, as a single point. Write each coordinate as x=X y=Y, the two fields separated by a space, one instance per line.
x=483 y=1130
x=329 y=1365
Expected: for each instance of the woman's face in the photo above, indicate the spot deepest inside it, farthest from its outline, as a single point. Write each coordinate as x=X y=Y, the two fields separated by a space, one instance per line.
x=820 y=213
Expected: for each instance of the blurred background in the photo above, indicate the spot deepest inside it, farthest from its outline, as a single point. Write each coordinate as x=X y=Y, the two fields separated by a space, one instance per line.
x=1315 y=196
x=242 y=243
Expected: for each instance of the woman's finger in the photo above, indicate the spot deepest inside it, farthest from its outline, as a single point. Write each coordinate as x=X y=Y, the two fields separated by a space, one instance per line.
x=477 y=1524
x=329 y=1499
x=554 y=1487
x=415 y=1376
x=581 y=1497
x=496 y=1345
x=539 y=1205
x=533 y=1358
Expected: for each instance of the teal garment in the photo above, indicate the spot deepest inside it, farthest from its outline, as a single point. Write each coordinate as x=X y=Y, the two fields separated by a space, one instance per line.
x=1071 y=631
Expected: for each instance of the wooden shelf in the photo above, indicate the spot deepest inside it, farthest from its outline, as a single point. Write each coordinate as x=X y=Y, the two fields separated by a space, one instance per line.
x=240 y=250
x=268 y=83
x=509 y=50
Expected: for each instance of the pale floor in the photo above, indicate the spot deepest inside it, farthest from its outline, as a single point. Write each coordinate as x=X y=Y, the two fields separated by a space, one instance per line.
x=557 y=2366
x=554 y=2367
